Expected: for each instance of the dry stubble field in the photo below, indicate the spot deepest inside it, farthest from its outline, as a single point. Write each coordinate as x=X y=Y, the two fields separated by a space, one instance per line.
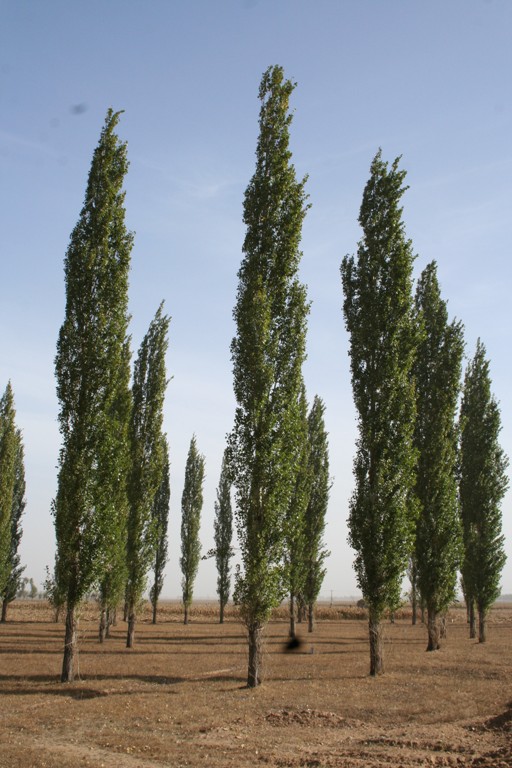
x=179 y=697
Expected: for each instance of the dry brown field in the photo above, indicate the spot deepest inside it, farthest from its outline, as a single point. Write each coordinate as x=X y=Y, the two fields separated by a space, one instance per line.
x=179 y=697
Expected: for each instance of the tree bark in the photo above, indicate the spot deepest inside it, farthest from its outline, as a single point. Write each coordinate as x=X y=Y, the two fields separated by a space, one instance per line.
x=155 y=608
x=311 y=617
x=433 y=631
x=376 y=651
x=4 y=611
x=130 y=637
x=414 y=602
x=103 y=623
x=443 y=633
x=254 y=670
x=185 y=616
x=482 y=625
x=221 y=613
x=293 y=633
x=70 y=647
x=472 y=621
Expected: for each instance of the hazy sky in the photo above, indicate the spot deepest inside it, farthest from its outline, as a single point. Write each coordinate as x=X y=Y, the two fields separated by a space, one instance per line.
x=428 y=81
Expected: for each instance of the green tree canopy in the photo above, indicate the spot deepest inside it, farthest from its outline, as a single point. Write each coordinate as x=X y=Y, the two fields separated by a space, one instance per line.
x=12 y=499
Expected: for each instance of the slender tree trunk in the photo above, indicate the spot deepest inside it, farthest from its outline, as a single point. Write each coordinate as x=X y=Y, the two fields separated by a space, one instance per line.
x=433 y=631
x=311 y=617
x=126 y=609
x=185 y=616
x=155 y=608
x=482 y=625
x=293 y=633
x=255 y=652
x=4 y=611
x=414 y=603
x=221 y=612
x=70 y=647
x=103 y=623
x=422 y=612
x=376 y=650
x=130 y=637
x=443 y=633
x=472 y=620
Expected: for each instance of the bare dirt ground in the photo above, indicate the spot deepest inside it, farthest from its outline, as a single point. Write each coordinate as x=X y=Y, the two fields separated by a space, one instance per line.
x=179 y=697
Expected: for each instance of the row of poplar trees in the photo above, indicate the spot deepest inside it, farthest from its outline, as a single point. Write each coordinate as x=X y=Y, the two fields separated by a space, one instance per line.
x=430 y=475
x=428 y=484
x=424 y=484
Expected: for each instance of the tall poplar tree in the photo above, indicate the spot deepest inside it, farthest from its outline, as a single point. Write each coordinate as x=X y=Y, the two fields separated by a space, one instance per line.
x=437 y=372
x=161 y=519
x=482 y=484
x=147 y=461
x=268 y=351
x=379 y=317
x=191 y=506
x=12 y=499
x=223 y=534
x=92 y=368
x=15 y=569
x=316 y=510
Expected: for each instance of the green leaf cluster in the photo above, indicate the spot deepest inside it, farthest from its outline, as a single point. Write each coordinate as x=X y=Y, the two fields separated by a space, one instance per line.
x=437 y=372
x=223 y=531
x=148 y=453
x=379 y=317
x=92 y=370
x=268 y=351
x=12 y=497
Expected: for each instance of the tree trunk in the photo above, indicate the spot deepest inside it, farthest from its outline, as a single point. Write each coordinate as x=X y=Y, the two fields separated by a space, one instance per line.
x=254 y=670
x=4 y=611
x=472 y=620
x=185 y=616
x=293 y=633
x=111 y=613
x=433 y=631
x=130 y=637
x=70 y=647
x=311 y=617
x=482 y=625
x=443 y=633
x=221 y=613
x=126 y=610
x=155 y=608
x=376 y=651
x=103 y=623
x=414 y=602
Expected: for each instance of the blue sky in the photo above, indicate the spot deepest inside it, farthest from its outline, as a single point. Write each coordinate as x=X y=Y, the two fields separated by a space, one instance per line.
x=428 y=81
